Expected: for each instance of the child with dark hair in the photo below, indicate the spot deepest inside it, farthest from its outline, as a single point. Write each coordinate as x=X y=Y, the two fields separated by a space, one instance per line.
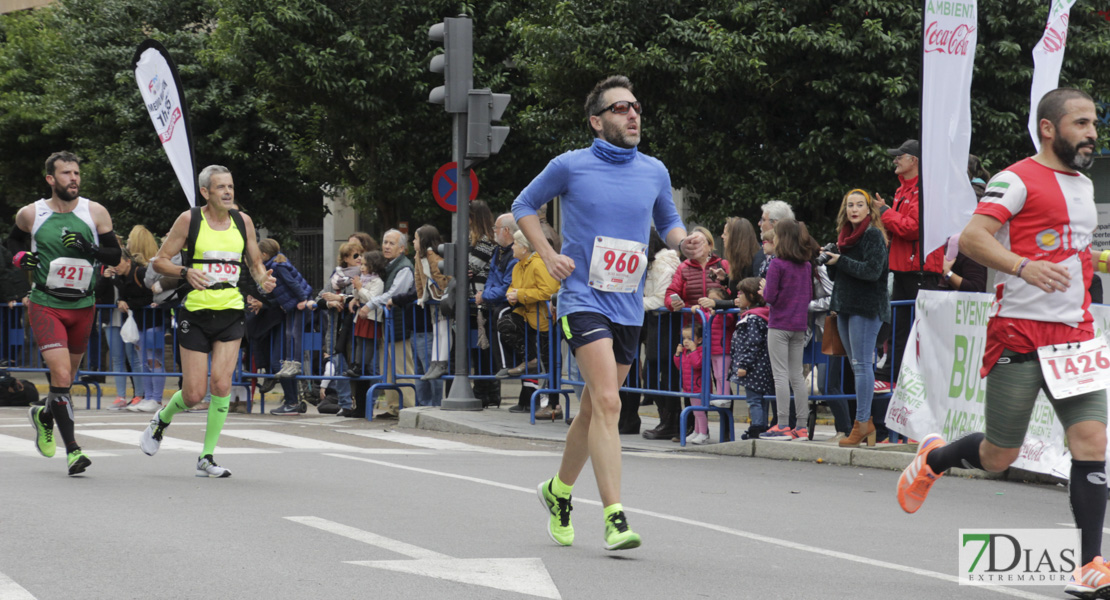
x=688 y=359
x=788 y=288
x=751 y=362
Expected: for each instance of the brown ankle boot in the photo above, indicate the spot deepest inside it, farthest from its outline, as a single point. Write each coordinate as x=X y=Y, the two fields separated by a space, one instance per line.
x=861 y=432
x=853 y=438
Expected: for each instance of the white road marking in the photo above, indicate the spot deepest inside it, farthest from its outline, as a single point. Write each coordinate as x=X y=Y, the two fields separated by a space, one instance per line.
x=130 y=437
x=80 y=424
x=520 y=575
x=18 y=445
x=1072 y=526
x=721 y=529
x=10 y=590
x=288 y=441
x=432 y=443
x=367 y=538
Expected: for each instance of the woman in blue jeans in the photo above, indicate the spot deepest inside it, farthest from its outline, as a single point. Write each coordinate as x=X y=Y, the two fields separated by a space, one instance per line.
x=860 y=299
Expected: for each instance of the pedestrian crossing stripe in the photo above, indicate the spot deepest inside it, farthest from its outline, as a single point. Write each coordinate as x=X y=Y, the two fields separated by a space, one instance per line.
x=130 y=437
x=26 y=446
x=283 y=442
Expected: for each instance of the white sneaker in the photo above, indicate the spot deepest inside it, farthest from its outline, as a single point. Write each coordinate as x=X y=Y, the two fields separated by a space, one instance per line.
x=146 y=406
x=289 y=368
x=206 y=467
x=720 y=403
x=699 y=438
x=119 y=404
x=151 y=439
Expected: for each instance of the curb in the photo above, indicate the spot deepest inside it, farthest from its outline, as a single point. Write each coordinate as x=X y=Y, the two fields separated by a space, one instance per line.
x=892 y=457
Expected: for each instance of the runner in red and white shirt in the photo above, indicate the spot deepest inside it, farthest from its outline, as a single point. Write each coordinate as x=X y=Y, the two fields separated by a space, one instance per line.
x=1046 y=215
x=1034 y=226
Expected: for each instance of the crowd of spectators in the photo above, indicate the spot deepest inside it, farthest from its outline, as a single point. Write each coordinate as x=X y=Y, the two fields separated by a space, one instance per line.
x=762 y=299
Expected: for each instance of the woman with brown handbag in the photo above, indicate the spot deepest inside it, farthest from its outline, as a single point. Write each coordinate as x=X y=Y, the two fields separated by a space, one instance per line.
x=860 y=299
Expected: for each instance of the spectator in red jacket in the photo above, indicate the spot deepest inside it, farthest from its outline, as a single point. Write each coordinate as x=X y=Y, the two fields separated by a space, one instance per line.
x=902 y=223
x=691 y=283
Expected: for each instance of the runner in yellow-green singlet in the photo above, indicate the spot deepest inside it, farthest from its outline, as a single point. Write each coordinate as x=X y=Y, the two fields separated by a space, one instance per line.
x=211 y=320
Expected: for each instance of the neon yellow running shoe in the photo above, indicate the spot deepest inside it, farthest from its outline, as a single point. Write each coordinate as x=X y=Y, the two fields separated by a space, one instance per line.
x=558 y=508
x=78 y=462
x=44 y=437
x=617 y=534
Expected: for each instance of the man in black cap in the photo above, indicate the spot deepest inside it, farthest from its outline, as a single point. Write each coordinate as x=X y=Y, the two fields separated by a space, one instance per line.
x=902 y=223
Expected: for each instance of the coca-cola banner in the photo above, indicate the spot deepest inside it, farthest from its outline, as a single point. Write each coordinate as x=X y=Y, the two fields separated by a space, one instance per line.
x=939 y=389
x=161 y=90
x=1048 y=56
x=949 y=55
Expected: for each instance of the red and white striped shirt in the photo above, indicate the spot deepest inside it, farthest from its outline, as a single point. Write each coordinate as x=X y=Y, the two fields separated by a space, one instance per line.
x=1046 y=215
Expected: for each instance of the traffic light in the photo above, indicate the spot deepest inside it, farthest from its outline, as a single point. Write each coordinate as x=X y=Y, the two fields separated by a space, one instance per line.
x=447 y=265
x=483 y=138
x=456 y=63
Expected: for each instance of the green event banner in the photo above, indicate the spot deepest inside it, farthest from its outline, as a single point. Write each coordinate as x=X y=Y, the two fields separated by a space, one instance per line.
x=940 y=387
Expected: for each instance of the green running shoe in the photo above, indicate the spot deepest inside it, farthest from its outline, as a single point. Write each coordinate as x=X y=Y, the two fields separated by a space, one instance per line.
x=44 y=438
x=617 y=534
x=78 y=462
x=558 y=507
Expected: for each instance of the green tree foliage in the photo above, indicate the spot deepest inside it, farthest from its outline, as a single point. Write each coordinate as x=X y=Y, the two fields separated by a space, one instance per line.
x=74 y=88
x=745 y=101
x=347 y=85
x=30 y=43
x=761 y=99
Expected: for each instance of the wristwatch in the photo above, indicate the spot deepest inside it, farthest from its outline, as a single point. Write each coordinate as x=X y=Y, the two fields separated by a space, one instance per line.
x=184 y=272
x=948 y=276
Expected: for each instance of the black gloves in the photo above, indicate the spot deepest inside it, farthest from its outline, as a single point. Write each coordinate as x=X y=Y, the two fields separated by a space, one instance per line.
x=76 y=241
x=28 y=261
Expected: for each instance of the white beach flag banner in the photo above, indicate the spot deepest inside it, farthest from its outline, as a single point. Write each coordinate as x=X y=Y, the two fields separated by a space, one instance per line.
x=160 y=87
x=949 y=55
x=1048 y=57
x=939 y=388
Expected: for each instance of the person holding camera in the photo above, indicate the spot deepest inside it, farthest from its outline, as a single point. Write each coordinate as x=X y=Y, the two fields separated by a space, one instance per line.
x=860 y=298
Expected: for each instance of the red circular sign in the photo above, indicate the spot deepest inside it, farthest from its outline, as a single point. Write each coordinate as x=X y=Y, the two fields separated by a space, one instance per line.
x=445 y=188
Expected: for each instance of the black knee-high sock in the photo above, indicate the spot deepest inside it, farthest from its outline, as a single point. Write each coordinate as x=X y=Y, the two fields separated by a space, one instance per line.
x=60 y=408
x=963 y=452
x=1087 y=492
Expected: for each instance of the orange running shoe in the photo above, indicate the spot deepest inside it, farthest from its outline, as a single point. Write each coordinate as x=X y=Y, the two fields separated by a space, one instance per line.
x=1090 y=581
x=918 y=478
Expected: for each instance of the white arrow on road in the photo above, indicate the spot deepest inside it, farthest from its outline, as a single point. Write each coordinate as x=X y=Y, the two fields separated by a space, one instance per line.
x=520 y=575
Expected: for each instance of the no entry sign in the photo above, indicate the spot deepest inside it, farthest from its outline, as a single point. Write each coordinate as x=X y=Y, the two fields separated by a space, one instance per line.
x=445 y=188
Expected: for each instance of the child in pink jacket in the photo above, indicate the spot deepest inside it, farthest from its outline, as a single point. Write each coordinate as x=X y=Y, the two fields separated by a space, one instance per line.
x=688 y=359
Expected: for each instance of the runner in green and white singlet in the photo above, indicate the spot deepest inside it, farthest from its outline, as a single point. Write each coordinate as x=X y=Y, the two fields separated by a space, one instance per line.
x=61 y=240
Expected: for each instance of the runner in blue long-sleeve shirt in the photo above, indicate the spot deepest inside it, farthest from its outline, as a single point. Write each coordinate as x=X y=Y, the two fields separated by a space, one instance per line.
x=611 y=194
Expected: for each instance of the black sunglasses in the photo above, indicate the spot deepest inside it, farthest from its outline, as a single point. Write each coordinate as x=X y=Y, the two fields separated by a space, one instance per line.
x=620 y=108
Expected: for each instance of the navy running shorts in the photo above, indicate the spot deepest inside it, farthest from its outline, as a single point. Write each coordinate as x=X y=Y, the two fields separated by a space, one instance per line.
x=582 y=328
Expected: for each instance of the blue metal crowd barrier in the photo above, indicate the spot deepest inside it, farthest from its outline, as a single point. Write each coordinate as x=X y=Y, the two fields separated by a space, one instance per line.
x=311 y=337
x=812 y=356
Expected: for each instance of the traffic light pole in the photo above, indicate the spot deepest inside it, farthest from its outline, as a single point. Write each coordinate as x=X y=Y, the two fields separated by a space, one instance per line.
x=461 y=396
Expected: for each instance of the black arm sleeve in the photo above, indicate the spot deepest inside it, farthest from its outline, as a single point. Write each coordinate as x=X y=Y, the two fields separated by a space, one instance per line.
x=19 y=240
x=109 y=251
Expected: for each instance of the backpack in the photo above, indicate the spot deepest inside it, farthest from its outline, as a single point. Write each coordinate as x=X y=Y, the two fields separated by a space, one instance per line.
x=189 y=249
x=16 y=392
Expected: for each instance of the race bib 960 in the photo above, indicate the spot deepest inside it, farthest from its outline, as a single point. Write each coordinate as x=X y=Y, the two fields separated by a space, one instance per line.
x=617 y=265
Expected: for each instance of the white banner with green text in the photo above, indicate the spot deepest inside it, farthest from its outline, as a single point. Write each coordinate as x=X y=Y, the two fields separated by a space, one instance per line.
x=939 y=389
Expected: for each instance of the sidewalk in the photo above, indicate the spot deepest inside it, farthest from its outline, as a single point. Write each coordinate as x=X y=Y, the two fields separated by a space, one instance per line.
x=500 y=422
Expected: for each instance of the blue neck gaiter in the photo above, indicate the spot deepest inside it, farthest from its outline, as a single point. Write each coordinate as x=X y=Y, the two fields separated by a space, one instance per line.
x=612 y=154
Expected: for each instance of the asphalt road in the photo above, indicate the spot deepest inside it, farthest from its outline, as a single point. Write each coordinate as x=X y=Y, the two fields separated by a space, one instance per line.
x=320 y=507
